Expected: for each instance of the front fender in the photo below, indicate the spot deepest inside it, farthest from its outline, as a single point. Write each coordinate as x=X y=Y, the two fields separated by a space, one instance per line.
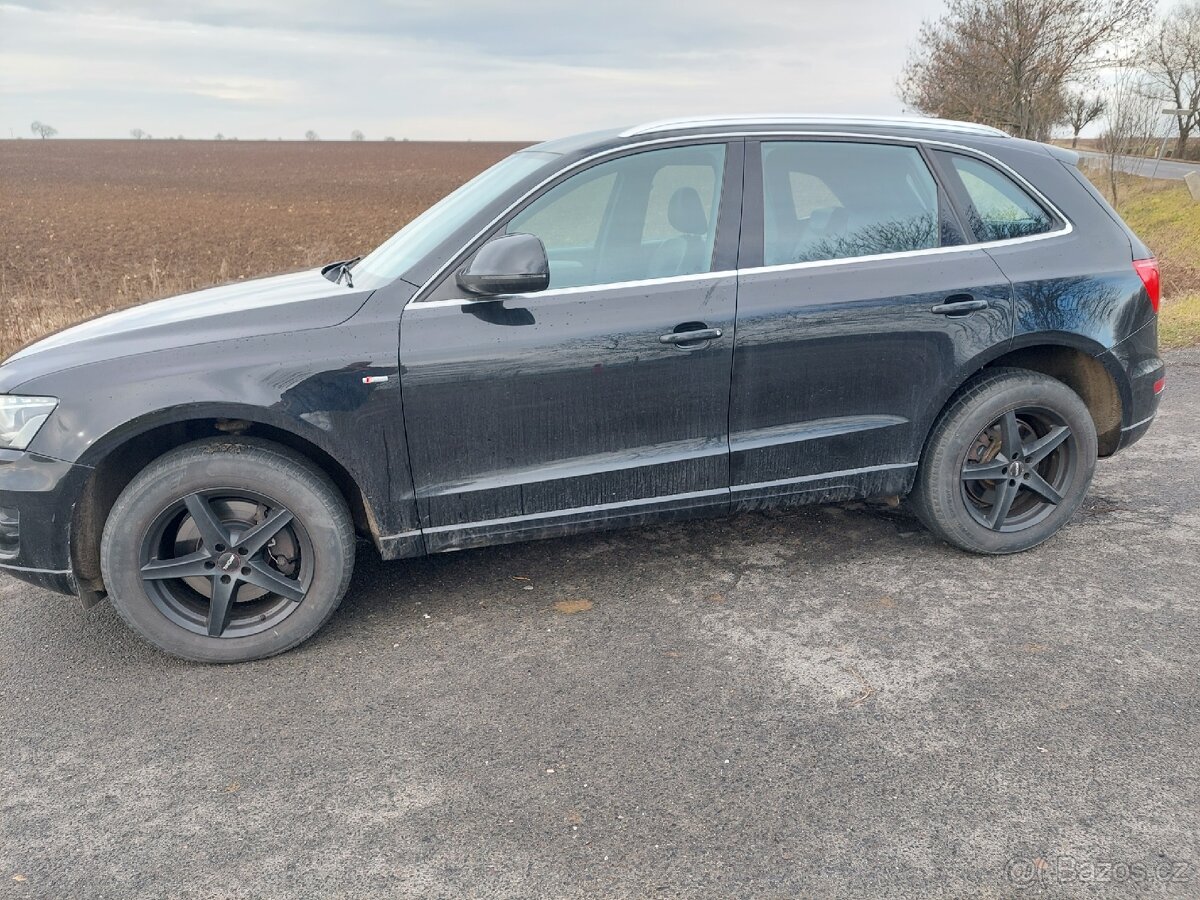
x=309 y=384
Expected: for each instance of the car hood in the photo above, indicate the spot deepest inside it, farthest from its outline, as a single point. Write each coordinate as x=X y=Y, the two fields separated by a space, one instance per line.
x=295 y=302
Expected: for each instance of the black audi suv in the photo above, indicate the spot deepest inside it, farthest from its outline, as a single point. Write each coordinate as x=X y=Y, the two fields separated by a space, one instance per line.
x=684 y=318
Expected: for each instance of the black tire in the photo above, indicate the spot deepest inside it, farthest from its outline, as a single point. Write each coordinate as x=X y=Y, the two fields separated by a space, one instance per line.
x=174 y=580
x=972 y=440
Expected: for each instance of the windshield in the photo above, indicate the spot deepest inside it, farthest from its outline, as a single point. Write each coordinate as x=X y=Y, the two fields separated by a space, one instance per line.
x=410 y=244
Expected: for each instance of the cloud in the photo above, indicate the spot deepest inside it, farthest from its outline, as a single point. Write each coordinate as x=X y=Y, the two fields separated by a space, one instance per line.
x=261 y=68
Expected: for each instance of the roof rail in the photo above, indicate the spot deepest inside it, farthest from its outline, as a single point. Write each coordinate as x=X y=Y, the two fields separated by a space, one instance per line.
x=915 y=122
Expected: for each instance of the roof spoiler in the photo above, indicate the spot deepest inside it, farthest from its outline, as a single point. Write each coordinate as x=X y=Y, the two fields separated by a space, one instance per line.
x=1070 y=157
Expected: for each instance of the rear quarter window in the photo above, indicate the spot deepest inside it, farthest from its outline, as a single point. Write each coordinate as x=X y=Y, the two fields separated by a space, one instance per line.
x=999 y=209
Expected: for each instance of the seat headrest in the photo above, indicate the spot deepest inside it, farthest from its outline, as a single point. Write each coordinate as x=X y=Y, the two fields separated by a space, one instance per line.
x=685 y=212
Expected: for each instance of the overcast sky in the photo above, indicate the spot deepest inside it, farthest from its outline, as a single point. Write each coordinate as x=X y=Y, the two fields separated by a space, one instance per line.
x=428 y=69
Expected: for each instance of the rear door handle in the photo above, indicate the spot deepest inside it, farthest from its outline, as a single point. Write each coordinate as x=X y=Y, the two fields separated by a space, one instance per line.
x=960 y=307
x=690 y=337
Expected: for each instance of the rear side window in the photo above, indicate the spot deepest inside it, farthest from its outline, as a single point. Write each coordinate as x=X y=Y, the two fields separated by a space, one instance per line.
x=827 y=200
x=999 y=208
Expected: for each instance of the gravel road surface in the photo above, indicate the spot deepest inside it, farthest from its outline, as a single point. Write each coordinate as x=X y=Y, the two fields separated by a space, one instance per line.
x=823 y=702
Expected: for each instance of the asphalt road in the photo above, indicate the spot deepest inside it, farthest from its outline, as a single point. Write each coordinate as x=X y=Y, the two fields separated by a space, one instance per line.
x=821 y=703
x=1170 y=170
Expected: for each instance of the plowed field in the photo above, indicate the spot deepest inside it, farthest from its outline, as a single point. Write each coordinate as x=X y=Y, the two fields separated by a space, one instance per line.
x=91 y=226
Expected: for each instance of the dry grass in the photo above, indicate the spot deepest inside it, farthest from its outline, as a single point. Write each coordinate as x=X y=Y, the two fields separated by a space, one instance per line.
x=1179 y=325
x=92 y=226
x=1164 y=215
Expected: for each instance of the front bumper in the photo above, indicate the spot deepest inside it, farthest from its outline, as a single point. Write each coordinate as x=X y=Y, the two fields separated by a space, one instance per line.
x=37 y=499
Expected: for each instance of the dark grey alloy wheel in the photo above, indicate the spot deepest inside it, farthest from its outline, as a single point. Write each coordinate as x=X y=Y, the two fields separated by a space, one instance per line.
x=227 y=563
x=228 y=550
x=1018 y=469
x=1007 y=463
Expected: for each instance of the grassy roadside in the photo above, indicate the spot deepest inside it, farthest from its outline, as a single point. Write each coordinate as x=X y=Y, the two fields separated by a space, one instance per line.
x=1165 y=216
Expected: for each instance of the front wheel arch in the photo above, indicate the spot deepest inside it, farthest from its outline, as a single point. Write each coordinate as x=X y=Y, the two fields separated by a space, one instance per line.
x=120 y=458
x=228 y=549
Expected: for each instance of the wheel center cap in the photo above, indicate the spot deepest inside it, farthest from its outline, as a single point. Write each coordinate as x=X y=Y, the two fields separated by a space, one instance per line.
x=228 y=561
x=1016 y=467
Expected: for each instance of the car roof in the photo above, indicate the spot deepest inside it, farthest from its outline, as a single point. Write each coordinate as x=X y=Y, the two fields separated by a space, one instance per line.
x=812 y=121
x=913 y=126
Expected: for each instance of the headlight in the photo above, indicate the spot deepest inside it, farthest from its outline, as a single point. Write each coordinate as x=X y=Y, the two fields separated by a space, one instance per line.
x=20 y=419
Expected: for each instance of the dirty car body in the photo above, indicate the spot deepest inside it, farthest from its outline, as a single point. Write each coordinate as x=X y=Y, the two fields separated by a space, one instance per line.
x=733 y=314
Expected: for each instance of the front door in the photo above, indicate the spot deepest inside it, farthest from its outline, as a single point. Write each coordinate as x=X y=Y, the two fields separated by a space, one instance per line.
x=587 y=403
x=860 y=307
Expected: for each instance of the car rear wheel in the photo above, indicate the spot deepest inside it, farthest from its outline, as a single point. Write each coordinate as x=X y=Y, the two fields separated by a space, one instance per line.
x=228 y=550
x=1008 y=463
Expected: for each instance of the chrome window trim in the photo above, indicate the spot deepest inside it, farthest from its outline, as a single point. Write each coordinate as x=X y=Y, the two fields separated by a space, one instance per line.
x=1067 y=228
x=905 y=254
x=553 y=293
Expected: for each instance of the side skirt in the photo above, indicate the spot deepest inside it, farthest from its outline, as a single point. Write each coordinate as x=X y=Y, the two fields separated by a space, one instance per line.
x=851 y=484
x=827 y=487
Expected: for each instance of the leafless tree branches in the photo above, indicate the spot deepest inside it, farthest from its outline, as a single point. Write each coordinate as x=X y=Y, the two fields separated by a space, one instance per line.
x=1009 y=63
x=1133 y=117
x=1081 y=111
x=1171 y=58
x=42 y=130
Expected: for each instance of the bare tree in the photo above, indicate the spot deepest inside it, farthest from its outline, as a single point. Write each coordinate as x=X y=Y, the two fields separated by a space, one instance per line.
x=1008 y=62
x=389 y=138
x=357 y=135
x=311 y=135
x=137 y=134
x=42 y=130
x=1081 y=112
x=219 y=137
x=1172 y=60
x=1133 y=113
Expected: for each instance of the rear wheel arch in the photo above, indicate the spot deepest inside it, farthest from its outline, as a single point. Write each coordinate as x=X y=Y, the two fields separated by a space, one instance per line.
x=1085 y=374
x=118 y=458
x=1078 y=362
x=1008 y=462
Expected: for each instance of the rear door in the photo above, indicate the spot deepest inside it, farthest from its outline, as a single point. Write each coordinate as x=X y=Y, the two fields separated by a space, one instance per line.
x=860 y=307
x=604 y=398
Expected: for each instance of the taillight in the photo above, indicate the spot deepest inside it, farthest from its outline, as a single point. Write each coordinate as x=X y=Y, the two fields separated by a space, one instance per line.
x=1147 y=269
x=1160 y=385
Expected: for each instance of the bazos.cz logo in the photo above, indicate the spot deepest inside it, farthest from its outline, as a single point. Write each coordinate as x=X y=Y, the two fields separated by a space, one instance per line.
x=1036 y=870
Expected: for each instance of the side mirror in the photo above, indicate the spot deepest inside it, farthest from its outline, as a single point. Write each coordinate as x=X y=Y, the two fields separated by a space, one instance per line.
x=509 y=264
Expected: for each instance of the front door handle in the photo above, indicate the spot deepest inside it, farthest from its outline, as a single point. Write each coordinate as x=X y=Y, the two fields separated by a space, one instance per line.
x=690 y=336
x=959 y=307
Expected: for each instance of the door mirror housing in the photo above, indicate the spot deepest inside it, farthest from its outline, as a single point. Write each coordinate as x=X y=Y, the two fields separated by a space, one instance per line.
x=509 y=264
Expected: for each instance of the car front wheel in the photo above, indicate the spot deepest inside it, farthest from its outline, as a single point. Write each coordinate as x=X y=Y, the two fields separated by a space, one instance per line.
x=1008 y=463
x=228 y=550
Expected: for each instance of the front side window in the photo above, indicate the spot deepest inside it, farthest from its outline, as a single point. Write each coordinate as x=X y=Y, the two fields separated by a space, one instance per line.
x=649 y=215
x=826 y=200
x=999 y=208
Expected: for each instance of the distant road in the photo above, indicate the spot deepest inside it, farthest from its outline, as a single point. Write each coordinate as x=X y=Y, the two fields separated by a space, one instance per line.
x=1139 y=165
